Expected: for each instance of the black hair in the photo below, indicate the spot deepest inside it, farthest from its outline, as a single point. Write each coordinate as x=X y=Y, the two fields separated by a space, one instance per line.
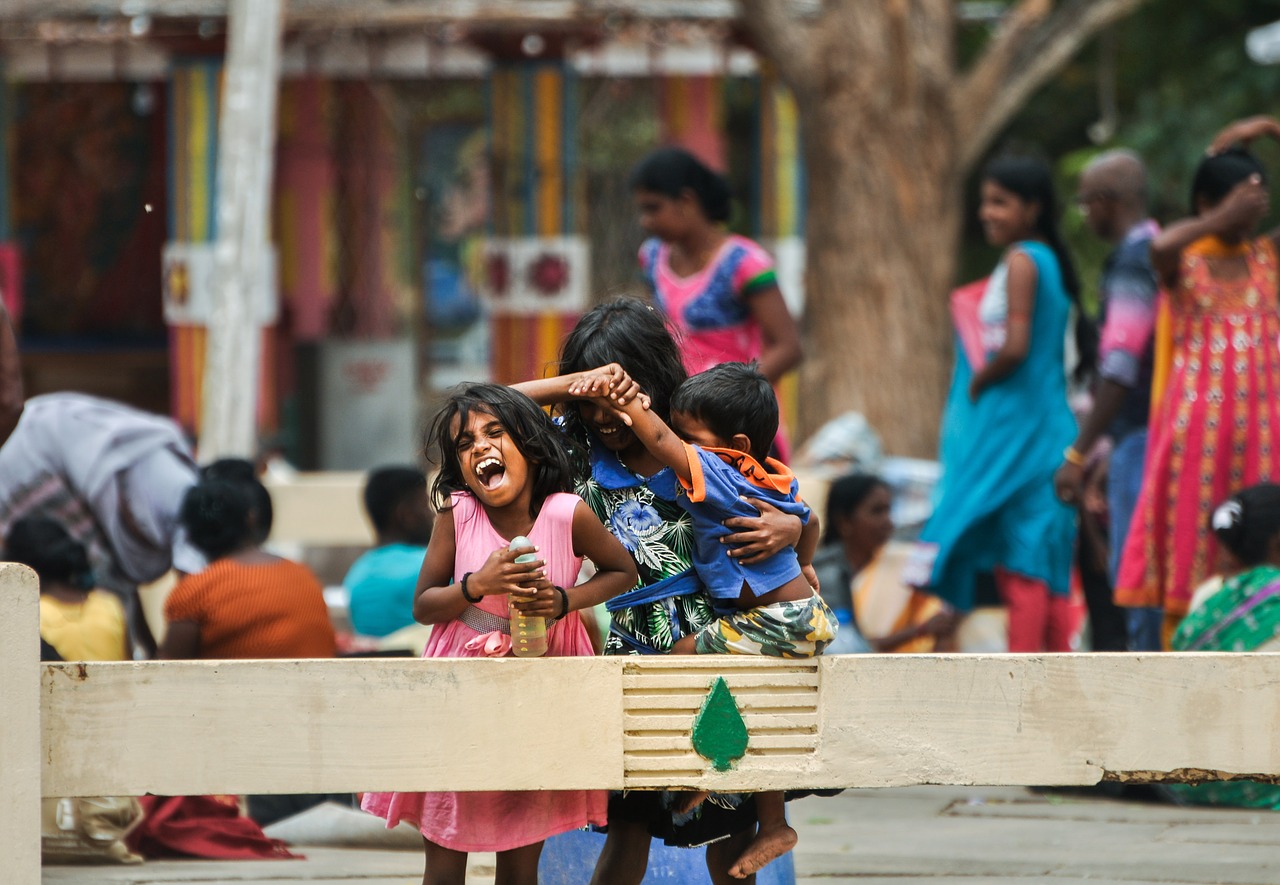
x=1031 y=179
x=671 y=170
x=217 y=515
x=732 y=398
x=241 y=470
x=386 y=488
x=1216 y=175
x=532 y=431
x=845 y=496
x=1248 y=521
x=633 y=335
x=50 y=551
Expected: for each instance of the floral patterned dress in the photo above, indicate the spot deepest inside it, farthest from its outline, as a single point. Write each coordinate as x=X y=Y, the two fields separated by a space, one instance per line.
x=668 y=602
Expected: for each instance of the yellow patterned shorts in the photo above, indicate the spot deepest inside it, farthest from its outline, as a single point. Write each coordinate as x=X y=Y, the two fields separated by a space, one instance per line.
x=781 y=630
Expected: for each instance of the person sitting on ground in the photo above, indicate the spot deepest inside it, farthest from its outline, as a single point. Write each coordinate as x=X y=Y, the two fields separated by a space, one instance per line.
x=248 y=603
x=860 y=572
x=80 y=623
x=723 y=423
x=1240 y=613
x=383 y=581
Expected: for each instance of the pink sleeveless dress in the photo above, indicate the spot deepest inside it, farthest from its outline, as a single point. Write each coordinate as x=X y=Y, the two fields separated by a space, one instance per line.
x=489 y=820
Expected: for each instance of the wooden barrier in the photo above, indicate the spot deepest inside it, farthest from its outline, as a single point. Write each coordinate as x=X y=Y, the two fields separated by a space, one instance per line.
x=856 y=721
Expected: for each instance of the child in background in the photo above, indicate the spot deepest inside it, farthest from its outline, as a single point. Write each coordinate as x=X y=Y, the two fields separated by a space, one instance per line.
x=504 y=472
x=724 y=422
x=383 y=581
x=717 y=290
x=81 y=623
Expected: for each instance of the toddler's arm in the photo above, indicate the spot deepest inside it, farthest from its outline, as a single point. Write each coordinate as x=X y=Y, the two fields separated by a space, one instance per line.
x=437 y=600
x=649 y=428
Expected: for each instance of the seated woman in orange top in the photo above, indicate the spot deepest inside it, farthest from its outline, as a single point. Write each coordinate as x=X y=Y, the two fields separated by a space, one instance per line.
x=247 y=603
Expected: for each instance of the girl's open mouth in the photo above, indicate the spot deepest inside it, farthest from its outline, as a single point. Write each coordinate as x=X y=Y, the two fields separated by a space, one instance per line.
x=490 y=472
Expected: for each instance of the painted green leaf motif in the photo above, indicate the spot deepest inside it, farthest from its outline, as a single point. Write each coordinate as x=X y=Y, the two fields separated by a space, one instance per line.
x=719 y=732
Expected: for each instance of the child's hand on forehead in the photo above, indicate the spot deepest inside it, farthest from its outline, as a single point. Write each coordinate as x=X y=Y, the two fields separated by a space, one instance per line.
x=609 y=382
x=502 y=574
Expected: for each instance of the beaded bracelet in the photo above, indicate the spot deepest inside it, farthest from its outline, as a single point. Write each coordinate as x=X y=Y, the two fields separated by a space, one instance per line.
x=1073 y=457
x=564 y=600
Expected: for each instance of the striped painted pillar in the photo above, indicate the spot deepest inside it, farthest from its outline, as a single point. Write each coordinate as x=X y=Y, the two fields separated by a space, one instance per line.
x=536 y=193
x=692 y=109
x=304 y=206
x=779 y=215
x=195 y=89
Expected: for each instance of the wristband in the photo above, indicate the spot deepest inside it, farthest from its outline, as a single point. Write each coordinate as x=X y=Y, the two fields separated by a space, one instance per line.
x=564 y=600
x=465 y=595
x=1073 y=457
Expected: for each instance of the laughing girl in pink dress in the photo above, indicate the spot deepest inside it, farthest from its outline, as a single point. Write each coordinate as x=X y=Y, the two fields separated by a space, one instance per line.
x=504 y=472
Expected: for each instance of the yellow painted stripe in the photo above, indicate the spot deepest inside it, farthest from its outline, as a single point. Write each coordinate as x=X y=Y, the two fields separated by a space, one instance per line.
x=199 y=141
x=787 y=131
x=788 y=388
x=549 y=325
x=549 y=109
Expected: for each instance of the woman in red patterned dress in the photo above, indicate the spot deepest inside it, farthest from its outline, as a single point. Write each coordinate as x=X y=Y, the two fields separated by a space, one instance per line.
x=1212 y=432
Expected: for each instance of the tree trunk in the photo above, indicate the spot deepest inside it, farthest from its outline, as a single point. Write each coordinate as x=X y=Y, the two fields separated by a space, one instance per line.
x=883 y=222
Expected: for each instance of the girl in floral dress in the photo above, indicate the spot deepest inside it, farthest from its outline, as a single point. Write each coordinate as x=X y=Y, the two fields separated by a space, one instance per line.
x=1213 y=432
x=634 y=495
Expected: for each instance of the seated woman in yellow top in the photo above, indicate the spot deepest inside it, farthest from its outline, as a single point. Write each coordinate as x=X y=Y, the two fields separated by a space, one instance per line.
x=81 y=623
x=860 y=572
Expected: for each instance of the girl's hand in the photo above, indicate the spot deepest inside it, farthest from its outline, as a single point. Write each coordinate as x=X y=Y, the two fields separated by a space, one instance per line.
x=538 y=600
x=1243 y=132
x=1244 y=206
x=502 y=574
x=759 y=537
x=610 y=382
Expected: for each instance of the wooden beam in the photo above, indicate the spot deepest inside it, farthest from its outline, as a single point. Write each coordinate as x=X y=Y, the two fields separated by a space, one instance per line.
x=848 y=721
x=20 y=734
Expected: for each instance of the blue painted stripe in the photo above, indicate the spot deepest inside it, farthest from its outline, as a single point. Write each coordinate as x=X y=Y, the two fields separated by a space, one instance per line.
x=525 y=73
x=569 y=149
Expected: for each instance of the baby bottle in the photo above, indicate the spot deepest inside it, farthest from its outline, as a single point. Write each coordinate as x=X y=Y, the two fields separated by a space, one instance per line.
x=528 y=634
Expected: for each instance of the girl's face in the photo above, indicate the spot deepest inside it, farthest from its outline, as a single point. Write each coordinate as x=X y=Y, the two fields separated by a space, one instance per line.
x=607 y=427
x=1006 y=217
x=869 y=525
x=492 y=467
x=666 y=218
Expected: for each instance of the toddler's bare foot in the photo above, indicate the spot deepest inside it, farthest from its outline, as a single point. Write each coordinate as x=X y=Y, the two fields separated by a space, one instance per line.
x=690 y=800
x=768 y=845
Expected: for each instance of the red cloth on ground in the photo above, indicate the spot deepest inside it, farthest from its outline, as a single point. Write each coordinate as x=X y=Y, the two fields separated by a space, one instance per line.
x=201 y=826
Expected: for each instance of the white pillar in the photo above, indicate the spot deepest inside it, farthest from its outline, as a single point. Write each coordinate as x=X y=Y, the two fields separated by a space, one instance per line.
x=20 y=733
x=246 y=147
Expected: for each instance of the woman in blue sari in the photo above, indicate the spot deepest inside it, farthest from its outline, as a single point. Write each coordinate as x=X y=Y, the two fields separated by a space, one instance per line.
x=1007 y=422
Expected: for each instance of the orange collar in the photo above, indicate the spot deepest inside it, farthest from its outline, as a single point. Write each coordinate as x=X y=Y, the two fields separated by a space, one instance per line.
x=772 y=475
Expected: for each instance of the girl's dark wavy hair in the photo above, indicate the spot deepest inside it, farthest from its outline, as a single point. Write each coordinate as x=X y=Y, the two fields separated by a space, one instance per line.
x=845 y=496
x=1031 y=180
x=217 y=514
x=671 y=170
x=532 y=431
x=1248 y=521
x=1216 y=175
x=50 y=551
x=632 y=334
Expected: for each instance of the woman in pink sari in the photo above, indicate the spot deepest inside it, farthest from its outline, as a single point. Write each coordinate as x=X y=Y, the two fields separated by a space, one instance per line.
x=717 y=290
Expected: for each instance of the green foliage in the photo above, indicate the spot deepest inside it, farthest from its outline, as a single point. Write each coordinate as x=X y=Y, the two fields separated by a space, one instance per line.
x=1181 y=75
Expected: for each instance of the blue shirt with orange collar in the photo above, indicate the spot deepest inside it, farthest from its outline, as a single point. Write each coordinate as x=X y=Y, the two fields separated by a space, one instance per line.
x=721 y=481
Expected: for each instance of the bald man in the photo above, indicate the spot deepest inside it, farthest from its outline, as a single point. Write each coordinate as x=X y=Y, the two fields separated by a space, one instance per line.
x=1113 y=197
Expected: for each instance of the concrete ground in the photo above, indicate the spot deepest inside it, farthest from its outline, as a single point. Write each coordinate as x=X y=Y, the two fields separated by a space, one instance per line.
x=935 y=835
